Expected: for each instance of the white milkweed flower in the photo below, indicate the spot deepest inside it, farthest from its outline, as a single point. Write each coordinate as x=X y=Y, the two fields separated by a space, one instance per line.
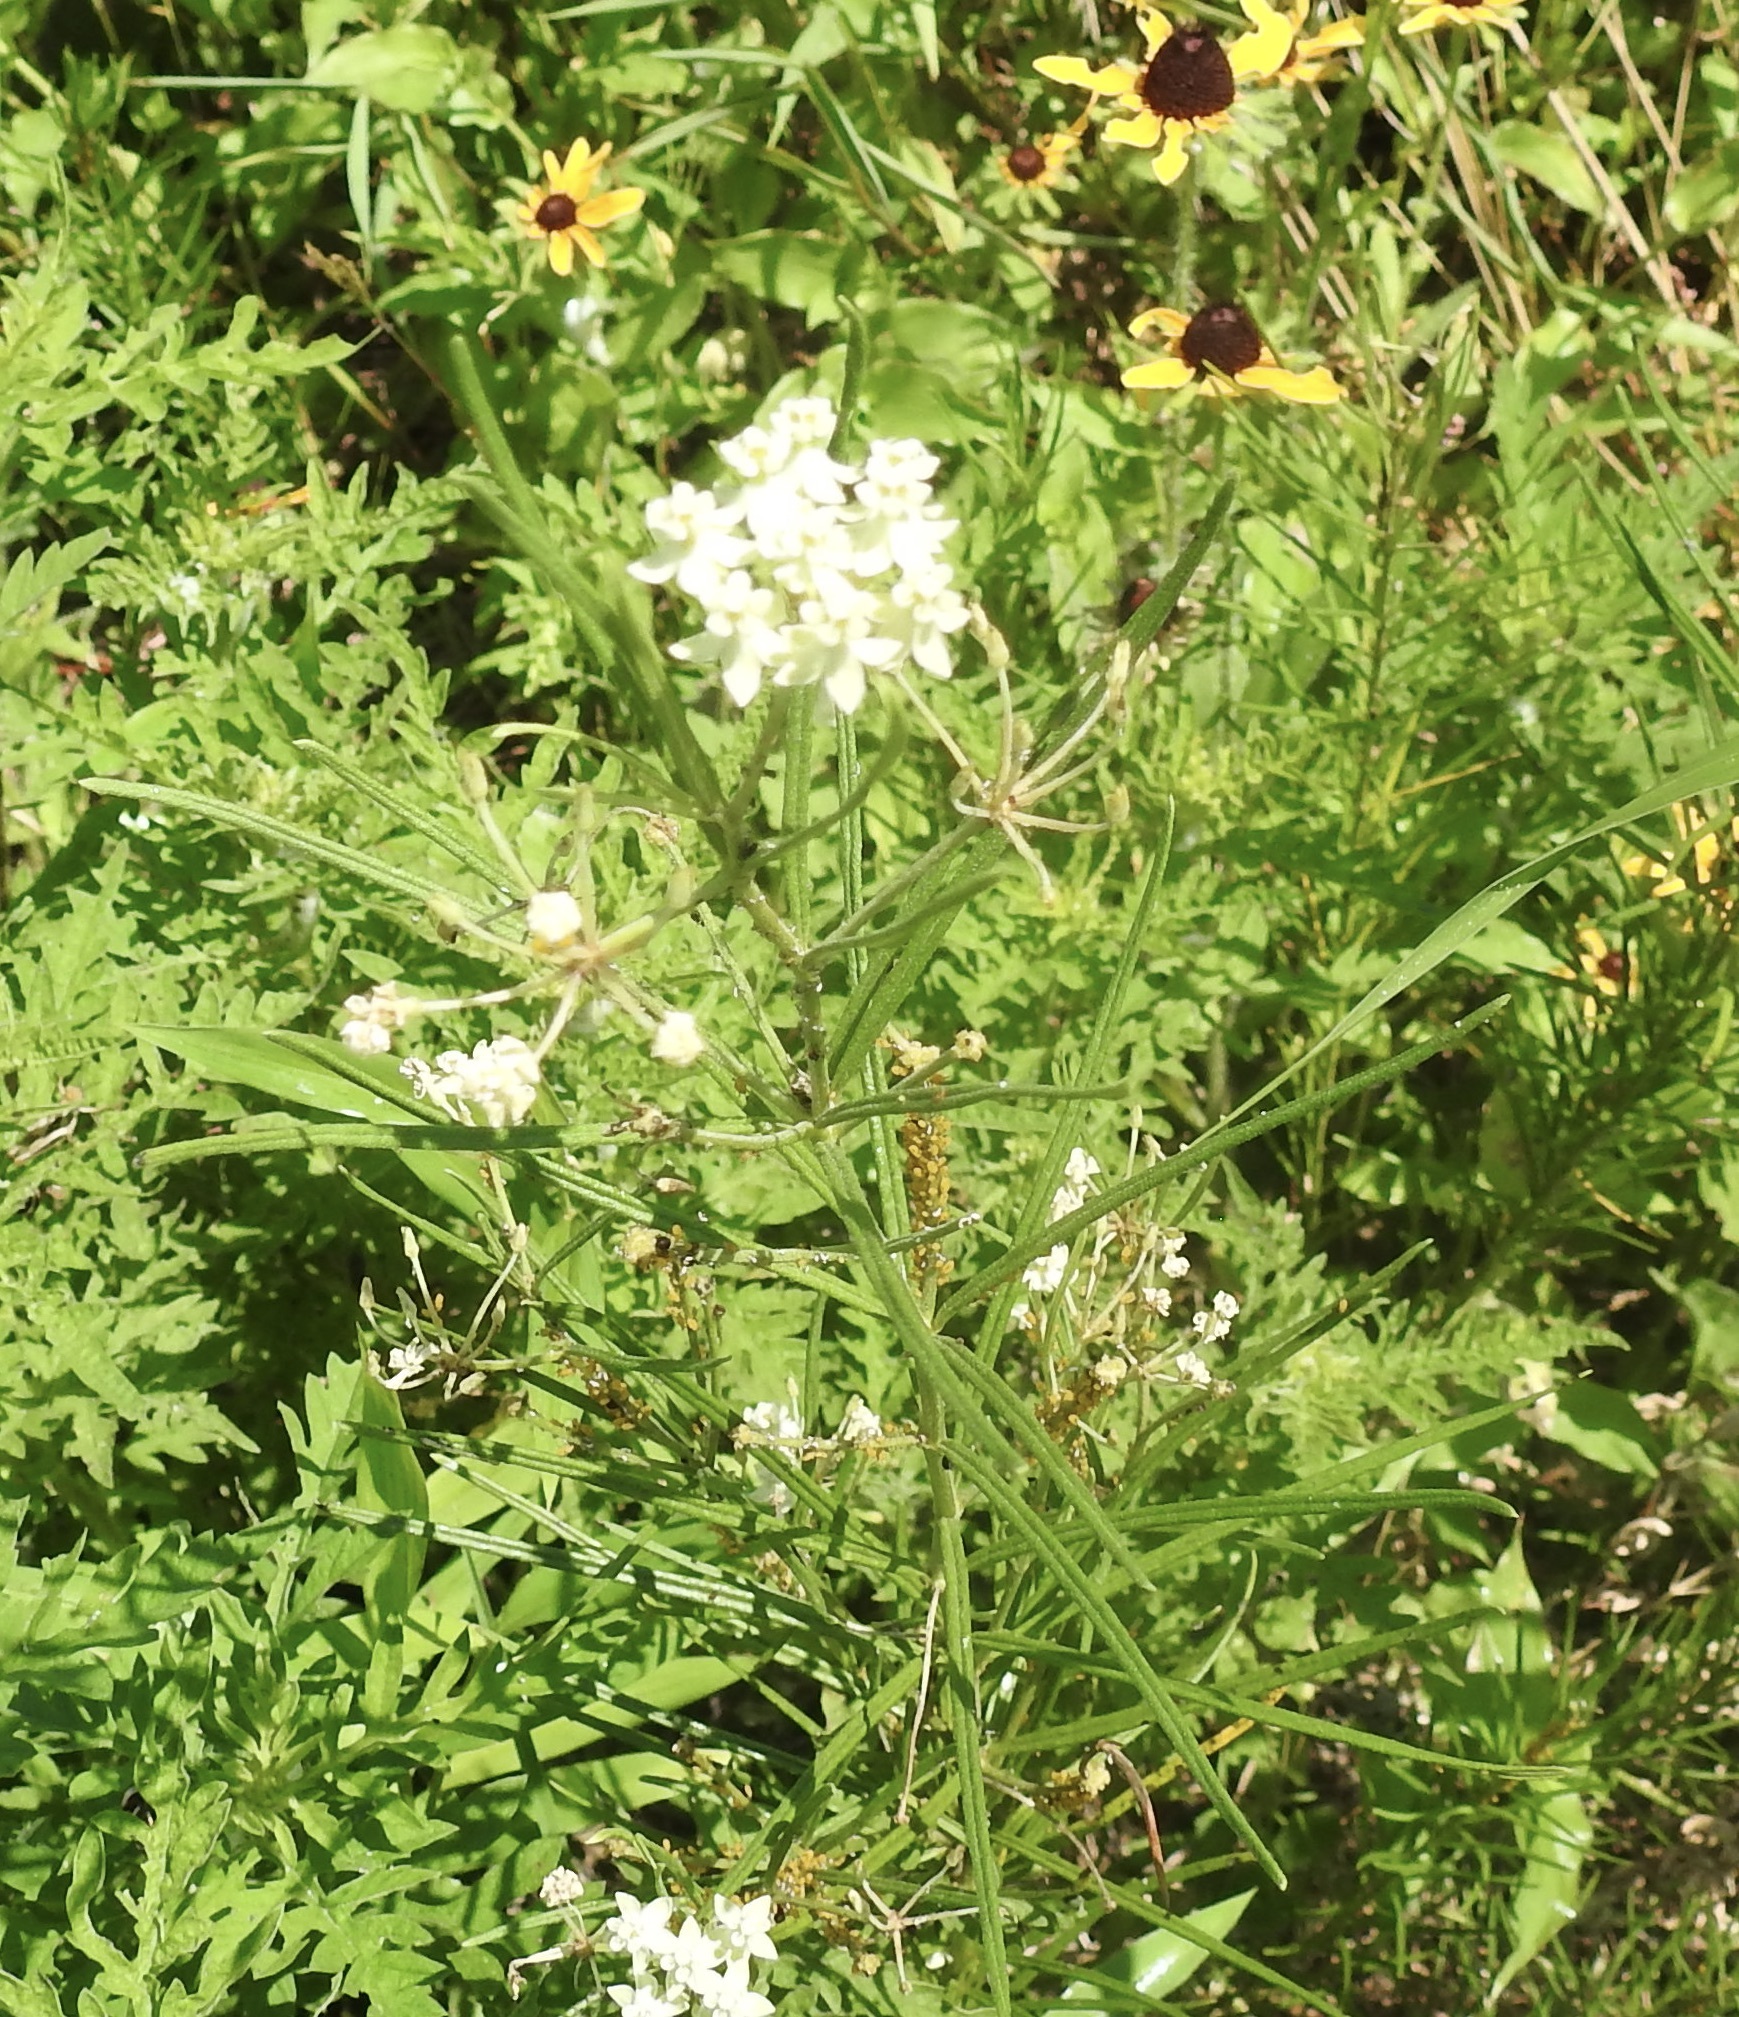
x=1071 y=1194
x=641 y=1932
x=811 y=571
x=495 y=1087
x=697 y=547
x=731 y=1996
x=742 y=638
x=744 y=1931
x=374 y=1018
x=562 y=1887
x=694 y=1966
x=411 y=1365
x=1211 y=1325
x=1157 y=1300
x=1192 y=1368
x=859 y=1424
x=677 y=1039
x=642 y=1999
x=771 y=1422
x=1046 y=1273
x=1172 y=1263
x=553 y=921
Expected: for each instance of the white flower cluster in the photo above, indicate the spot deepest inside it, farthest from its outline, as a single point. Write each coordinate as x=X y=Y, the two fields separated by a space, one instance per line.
x=1045 y=1275
x=810 y=571
x=495 y=1087
x=375 y=1018
x=704 y=1969
x=859 y=1424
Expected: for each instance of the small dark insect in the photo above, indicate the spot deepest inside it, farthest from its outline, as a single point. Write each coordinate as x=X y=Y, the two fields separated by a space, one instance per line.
x=134 y=1802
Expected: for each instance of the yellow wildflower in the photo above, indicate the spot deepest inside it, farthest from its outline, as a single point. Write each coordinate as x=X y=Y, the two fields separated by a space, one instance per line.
x=1187 y=84
x=565 y=213
x=1220 y=350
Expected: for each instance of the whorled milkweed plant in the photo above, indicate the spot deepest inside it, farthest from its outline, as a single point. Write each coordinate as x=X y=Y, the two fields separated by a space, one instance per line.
x=892 y=1481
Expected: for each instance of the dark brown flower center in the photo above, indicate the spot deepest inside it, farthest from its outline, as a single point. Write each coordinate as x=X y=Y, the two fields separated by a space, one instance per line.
x=1189 y=77
x=1026 y=163
x=1612 y=966
x=1223 y=336
x=556 y=212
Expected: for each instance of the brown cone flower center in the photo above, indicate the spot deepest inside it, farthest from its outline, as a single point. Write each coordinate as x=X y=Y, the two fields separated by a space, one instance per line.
x=1612 y=966
x=556 y=212
x=1223 y=336
x=1189 y=77
x=1026 y=163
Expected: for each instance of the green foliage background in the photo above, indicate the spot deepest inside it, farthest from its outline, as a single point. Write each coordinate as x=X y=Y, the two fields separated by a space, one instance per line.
x=1443 y=630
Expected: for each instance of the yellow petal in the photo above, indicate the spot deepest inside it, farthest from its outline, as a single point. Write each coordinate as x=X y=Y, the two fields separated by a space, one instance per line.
x=580 y=170
x=561 y=253
x=1337 y=35
x=1174 y=155
x=1114 y=78
x=587 y=243
x=1674 y=885
x=1155 y=31
x=1167 y=319
x=1164 y=374
x=1308 y=388
x=552 y=166
x=1423 y=22
x=527 y=217
x=1140 y=131
x=1639 y=864
x=1706 y=854
x=611 y=206
x=1265 y=49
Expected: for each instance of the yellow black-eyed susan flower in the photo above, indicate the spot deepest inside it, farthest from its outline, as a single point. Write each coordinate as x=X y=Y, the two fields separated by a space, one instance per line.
x=1698 y=865
x=1187 y=84
x=1041 y=163
x=1606 y=971
x=566 y=213
x=1419 y=17
x=1311 y=55
x=1220 y=350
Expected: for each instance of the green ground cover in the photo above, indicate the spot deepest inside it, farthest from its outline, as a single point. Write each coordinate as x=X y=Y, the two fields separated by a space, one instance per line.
x=1076 y=1320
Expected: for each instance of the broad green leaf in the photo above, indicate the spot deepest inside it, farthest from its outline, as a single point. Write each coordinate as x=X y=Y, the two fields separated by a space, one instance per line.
x=1706 y=194
x=404 y=68
x=1157 y=1964
x=258 y=1060
x=1603 y=1425
x=1549 y=158
x=1554 y=1833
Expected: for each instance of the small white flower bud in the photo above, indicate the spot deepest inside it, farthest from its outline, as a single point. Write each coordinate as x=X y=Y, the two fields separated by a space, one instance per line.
x=562 y=1887
x=677 y=1039
x=552 y=921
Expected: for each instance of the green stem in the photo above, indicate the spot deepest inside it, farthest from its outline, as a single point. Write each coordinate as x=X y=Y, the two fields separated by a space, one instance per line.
x=618 y=634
